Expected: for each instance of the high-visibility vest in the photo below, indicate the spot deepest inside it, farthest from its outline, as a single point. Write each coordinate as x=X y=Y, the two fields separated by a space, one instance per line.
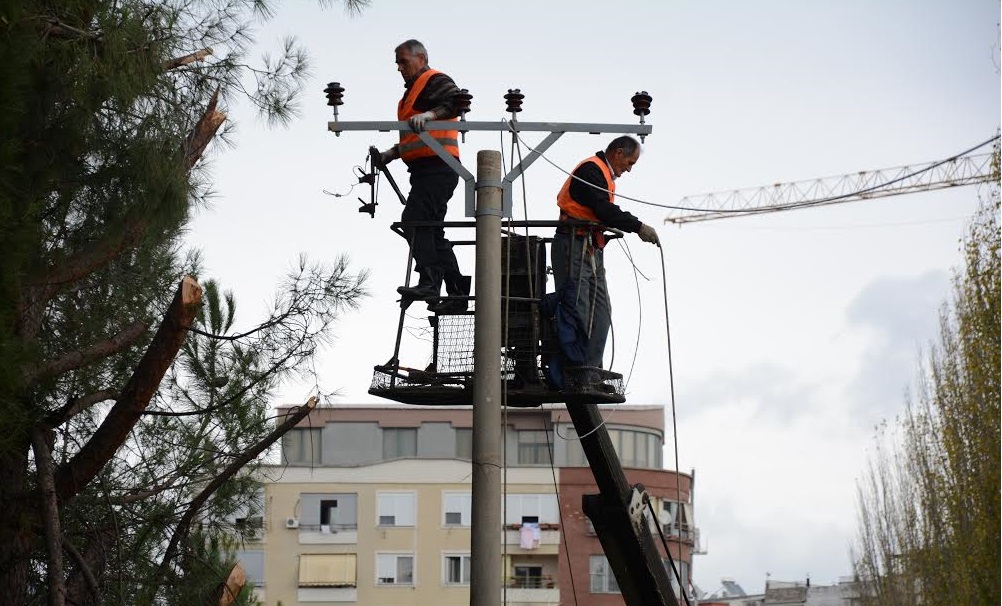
x=570 y=209
x=411 y=146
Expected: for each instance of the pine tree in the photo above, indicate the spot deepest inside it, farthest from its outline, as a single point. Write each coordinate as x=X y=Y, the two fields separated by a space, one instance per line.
x=109 y=479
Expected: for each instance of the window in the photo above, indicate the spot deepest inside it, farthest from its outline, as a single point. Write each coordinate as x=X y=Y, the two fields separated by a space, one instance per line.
x=301 y=446
x=328 y=512
x=464 y=443
x=602 y=579
x=637 y=448
x=399 y=442
x=528 y=577
x=394 y=569
x=395 y=508
x=677 y=519
x=456 y=569
x=327 y=570
x=457 y=508
x=534 y=447
x=538 y=508
x=253 y=563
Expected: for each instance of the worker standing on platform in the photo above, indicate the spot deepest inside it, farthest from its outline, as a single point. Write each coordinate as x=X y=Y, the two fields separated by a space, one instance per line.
x=589 y=195
x=429 y=95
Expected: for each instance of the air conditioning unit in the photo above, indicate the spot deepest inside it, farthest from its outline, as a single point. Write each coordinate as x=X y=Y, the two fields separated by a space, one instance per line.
x=292 y=523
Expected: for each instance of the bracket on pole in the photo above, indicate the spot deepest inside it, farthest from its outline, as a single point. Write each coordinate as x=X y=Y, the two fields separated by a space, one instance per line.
x=555 y=130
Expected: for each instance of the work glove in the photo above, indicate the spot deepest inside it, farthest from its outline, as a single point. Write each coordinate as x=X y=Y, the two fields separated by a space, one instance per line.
x=647 y=234
x=388 y=156
x=417 y=122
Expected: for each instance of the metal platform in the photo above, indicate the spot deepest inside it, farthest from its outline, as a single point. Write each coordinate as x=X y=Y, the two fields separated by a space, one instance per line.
x=529 y=345
x=411 y=386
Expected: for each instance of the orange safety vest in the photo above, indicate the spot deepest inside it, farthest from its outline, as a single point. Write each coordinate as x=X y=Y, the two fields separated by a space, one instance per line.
x=570 y=209
x=411 y=146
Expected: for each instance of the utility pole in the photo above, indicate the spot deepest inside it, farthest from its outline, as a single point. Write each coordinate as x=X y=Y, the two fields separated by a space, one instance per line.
x=617 y=513
x=487 y=532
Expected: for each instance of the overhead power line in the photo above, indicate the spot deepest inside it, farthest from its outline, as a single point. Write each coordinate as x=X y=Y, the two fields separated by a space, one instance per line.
x=966 y=168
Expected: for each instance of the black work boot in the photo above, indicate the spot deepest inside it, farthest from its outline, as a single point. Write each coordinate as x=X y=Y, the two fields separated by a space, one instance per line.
x=455 y=287
x=428 y=286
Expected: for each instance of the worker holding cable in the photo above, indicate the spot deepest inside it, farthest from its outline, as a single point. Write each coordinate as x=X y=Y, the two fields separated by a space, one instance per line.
x=429 y=95
x=577 y=252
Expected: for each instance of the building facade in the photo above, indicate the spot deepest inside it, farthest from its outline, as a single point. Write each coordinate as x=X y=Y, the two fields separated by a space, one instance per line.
x=372 y=505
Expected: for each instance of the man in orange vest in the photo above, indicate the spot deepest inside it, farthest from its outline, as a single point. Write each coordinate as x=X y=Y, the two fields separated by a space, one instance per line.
x=429 y=95
x=578 y=264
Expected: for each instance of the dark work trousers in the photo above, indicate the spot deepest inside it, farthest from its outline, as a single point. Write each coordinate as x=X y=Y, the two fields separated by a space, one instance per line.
x=576 y=259
x=428 y=200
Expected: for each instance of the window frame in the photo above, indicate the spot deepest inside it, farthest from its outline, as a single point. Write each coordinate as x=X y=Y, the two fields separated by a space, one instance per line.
x=394 y=444
x=396 y=555
x=398 y=498
x=608 y=583
x=465 y=568
x=465 y=509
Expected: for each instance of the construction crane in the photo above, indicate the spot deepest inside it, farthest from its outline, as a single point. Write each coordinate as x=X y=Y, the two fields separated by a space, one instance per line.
x=966 y=168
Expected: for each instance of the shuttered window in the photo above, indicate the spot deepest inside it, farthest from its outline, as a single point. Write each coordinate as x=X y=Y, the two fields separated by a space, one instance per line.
x=327 y=570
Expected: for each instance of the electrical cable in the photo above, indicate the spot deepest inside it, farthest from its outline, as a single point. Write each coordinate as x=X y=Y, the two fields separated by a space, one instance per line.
x=671 y=560
x=777 y=207
x=560 y=516
x=671 y=381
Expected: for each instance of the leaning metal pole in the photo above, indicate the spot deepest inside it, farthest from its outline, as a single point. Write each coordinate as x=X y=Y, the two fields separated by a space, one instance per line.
x=487 y=532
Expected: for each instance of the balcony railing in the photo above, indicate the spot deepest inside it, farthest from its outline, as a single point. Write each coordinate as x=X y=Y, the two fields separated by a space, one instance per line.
x=531 y=582
x=328 y=528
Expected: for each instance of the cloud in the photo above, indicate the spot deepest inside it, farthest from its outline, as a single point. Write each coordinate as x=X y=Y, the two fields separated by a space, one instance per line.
x=899 y=315
x=770 y=391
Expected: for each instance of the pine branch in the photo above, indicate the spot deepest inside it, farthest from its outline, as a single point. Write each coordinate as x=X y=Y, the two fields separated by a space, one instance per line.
x=93 y=353
x=77 y=405
x=108 y=248
x=93 y=558
x=41 y=440
x=76 y=473
x=183 y=526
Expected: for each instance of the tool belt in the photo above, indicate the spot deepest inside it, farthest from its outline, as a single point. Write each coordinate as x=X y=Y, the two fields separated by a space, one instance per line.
x=595 y=233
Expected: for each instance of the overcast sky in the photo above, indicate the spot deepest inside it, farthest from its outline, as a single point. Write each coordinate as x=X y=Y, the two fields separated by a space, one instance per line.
x=792 y=334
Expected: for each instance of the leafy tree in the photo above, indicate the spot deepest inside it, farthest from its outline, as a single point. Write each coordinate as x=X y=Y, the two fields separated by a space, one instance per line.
x=110 y=480
x=929 y=502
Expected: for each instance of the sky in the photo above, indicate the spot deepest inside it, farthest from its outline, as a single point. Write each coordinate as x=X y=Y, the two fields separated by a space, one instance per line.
x=792 y=335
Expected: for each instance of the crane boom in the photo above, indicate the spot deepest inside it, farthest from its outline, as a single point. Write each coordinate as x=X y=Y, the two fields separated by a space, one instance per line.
x=960 y=170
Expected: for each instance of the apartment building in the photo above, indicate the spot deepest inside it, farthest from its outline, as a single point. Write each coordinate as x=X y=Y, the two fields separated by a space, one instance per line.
x=371 y=504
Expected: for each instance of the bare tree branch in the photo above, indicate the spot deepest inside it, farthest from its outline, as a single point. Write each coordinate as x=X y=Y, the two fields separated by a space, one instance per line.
x=76 y=473
x=199 y=55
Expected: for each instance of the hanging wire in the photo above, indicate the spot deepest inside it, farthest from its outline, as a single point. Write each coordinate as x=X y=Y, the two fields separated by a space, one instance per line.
x=671 y=560
x=560 y=514
x=777 y=207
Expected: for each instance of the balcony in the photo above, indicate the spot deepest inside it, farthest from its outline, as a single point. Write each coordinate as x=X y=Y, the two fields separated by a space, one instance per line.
x=549 y=535
x=526 y=590
x=328 y=534
x=683 y=532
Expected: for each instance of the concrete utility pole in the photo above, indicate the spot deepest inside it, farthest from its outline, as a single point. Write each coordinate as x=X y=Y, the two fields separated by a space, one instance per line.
x=487 y=532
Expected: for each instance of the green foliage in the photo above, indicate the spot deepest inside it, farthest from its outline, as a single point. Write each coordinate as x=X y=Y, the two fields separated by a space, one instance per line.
x=99 y=175
x=929 y=504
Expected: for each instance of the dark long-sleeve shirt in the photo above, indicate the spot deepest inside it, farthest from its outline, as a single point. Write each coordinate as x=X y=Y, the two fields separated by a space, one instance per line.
x=597 y=200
